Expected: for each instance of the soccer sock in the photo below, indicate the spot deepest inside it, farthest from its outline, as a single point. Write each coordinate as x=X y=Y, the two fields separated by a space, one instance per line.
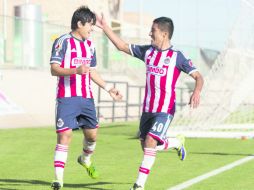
x=60 y=159
x=147 y=163
x=88 y=149
x=168 y=144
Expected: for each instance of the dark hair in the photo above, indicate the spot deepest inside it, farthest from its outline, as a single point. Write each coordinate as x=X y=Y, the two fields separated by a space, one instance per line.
x=165 y=24
x=82 y=14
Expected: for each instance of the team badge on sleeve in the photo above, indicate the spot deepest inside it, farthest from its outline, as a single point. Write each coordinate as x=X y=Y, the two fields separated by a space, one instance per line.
x=190 y=63
x=57 y=49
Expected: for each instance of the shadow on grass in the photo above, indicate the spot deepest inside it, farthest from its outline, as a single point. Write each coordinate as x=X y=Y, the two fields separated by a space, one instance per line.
x=221 y=154
x=9 y=183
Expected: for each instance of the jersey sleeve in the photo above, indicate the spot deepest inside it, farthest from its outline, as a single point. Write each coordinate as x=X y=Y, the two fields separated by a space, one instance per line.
x=138 y=51
x=184 y=64
x=58 y=51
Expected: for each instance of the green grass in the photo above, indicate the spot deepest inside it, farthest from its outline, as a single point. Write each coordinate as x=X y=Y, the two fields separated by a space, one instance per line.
x=26 y=161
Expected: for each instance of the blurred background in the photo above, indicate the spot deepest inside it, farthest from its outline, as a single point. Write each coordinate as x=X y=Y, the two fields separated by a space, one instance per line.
x=28 y=29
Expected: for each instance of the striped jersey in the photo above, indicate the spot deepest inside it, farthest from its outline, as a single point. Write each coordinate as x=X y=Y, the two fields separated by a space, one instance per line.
x=162 y=71
x=69 y=52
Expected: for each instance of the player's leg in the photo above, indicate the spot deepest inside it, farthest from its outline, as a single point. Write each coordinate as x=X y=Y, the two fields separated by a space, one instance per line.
x=89 y=123
x=176 y=143
x=147 y=162
x=89 y=145
x=148 y=144
x=65 y=122
x=60 y=157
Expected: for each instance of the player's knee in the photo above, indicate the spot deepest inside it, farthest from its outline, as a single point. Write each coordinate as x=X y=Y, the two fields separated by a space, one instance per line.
x=150 y=141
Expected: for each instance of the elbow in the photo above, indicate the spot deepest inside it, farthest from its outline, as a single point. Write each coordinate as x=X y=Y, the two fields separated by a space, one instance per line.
x=53 y=73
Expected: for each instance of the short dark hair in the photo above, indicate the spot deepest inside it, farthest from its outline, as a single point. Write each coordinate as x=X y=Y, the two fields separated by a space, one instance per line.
x=82 y=14
x=165 y=24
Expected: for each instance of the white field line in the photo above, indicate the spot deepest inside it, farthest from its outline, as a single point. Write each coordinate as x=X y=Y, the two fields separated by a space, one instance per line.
x=212 y=173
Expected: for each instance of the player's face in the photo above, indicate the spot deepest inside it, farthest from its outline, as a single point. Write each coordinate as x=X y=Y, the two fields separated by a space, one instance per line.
x=86 y=30
x=157 y=36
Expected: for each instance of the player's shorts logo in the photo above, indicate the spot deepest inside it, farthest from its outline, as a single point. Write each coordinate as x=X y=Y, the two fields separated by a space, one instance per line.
x=156 y=70
x=60 y=123
x=81 y=61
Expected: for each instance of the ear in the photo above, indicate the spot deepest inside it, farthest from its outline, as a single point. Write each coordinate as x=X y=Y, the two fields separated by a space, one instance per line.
x=165 y=34
x=79 y=24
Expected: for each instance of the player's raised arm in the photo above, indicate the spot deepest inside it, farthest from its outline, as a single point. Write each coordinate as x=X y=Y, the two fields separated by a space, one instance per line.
x=116 y=40
x=195 y=97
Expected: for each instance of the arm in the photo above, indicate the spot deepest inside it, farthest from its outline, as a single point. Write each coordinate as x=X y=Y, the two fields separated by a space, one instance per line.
x=56 y=70
x=114 y=93
x=116 y=40
x=195 y=97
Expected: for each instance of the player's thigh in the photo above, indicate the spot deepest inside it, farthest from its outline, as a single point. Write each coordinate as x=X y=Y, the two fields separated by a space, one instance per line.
x=87 y=118
x=155 y=125
x=67 y=110
x=160 y=125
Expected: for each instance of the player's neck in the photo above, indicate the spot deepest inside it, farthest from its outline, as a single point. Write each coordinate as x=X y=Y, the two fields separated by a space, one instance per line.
x=164 y=45
x=76 y=35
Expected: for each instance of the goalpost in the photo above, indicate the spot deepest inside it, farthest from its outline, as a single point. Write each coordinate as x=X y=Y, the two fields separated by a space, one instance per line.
x=227 y=99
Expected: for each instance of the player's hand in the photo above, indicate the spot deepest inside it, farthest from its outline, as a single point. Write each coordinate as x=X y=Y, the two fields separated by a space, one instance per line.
x=115 y=94
x=194 y=100
x=83 y=69
x=100 y=20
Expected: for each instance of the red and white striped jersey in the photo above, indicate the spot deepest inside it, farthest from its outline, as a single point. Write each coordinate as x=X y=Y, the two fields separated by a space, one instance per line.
x=69 y=52
x=162 y=71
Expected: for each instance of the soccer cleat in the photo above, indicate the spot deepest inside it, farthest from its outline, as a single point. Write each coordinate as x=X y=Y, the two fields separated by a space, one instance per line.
x=181 y=152
x=137 y=187
x=56 y=185
x=90 y=170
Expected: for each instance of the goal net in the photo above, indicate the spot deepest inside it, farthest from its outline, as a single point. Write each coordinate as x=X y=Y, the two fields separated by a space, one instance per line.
x=227 y=99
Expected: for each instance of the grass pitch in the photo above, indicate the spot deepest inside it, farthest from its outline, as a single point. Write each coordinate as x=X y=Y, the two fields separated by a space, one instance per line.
x=26 y=161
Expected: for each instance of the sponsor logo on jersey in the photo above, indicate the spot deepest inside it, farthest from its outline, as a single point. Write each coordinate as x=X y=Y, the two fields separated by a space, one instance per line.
x=81 y=61
x=156 y=70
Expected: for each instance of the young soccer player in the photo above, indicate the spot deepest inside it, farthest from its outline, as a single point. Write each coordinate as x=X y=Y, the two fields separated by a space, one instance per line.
x=73 y=61
x=163 y=67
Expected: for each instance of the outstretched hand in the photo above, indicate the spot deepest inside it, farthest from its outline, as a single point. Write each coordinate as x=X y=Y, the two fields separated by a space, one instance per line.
x=115 y=94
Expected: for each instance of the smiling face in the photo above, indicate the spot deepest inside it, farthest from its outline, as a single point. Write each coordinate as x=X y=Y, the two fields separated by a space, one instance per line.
x=82 y=23
x=84 y=31
x=158 y=37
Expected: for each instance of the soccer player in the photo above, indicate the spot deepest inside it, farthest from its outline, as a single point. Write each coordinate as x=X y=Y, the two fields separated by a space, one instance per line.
x=163 y=66
x=73 y=61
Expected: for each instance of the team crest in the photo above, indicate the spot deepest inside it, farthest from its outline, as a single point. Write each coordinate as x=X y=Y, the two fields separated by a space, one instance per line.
x=167 y=60
x=60 y=123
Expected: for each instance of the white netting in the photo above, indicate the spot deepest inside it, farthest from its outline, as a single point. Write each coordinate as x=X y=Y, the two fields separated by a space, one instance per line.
x=227 y=100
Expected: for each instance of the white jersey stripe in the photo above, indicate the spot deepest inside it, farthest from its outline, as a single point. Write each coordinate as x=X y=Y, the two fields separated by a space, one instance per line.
x=67 y=60
x=78 y=77
x=148 y=97
x=169 y=82
x=157 y=83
